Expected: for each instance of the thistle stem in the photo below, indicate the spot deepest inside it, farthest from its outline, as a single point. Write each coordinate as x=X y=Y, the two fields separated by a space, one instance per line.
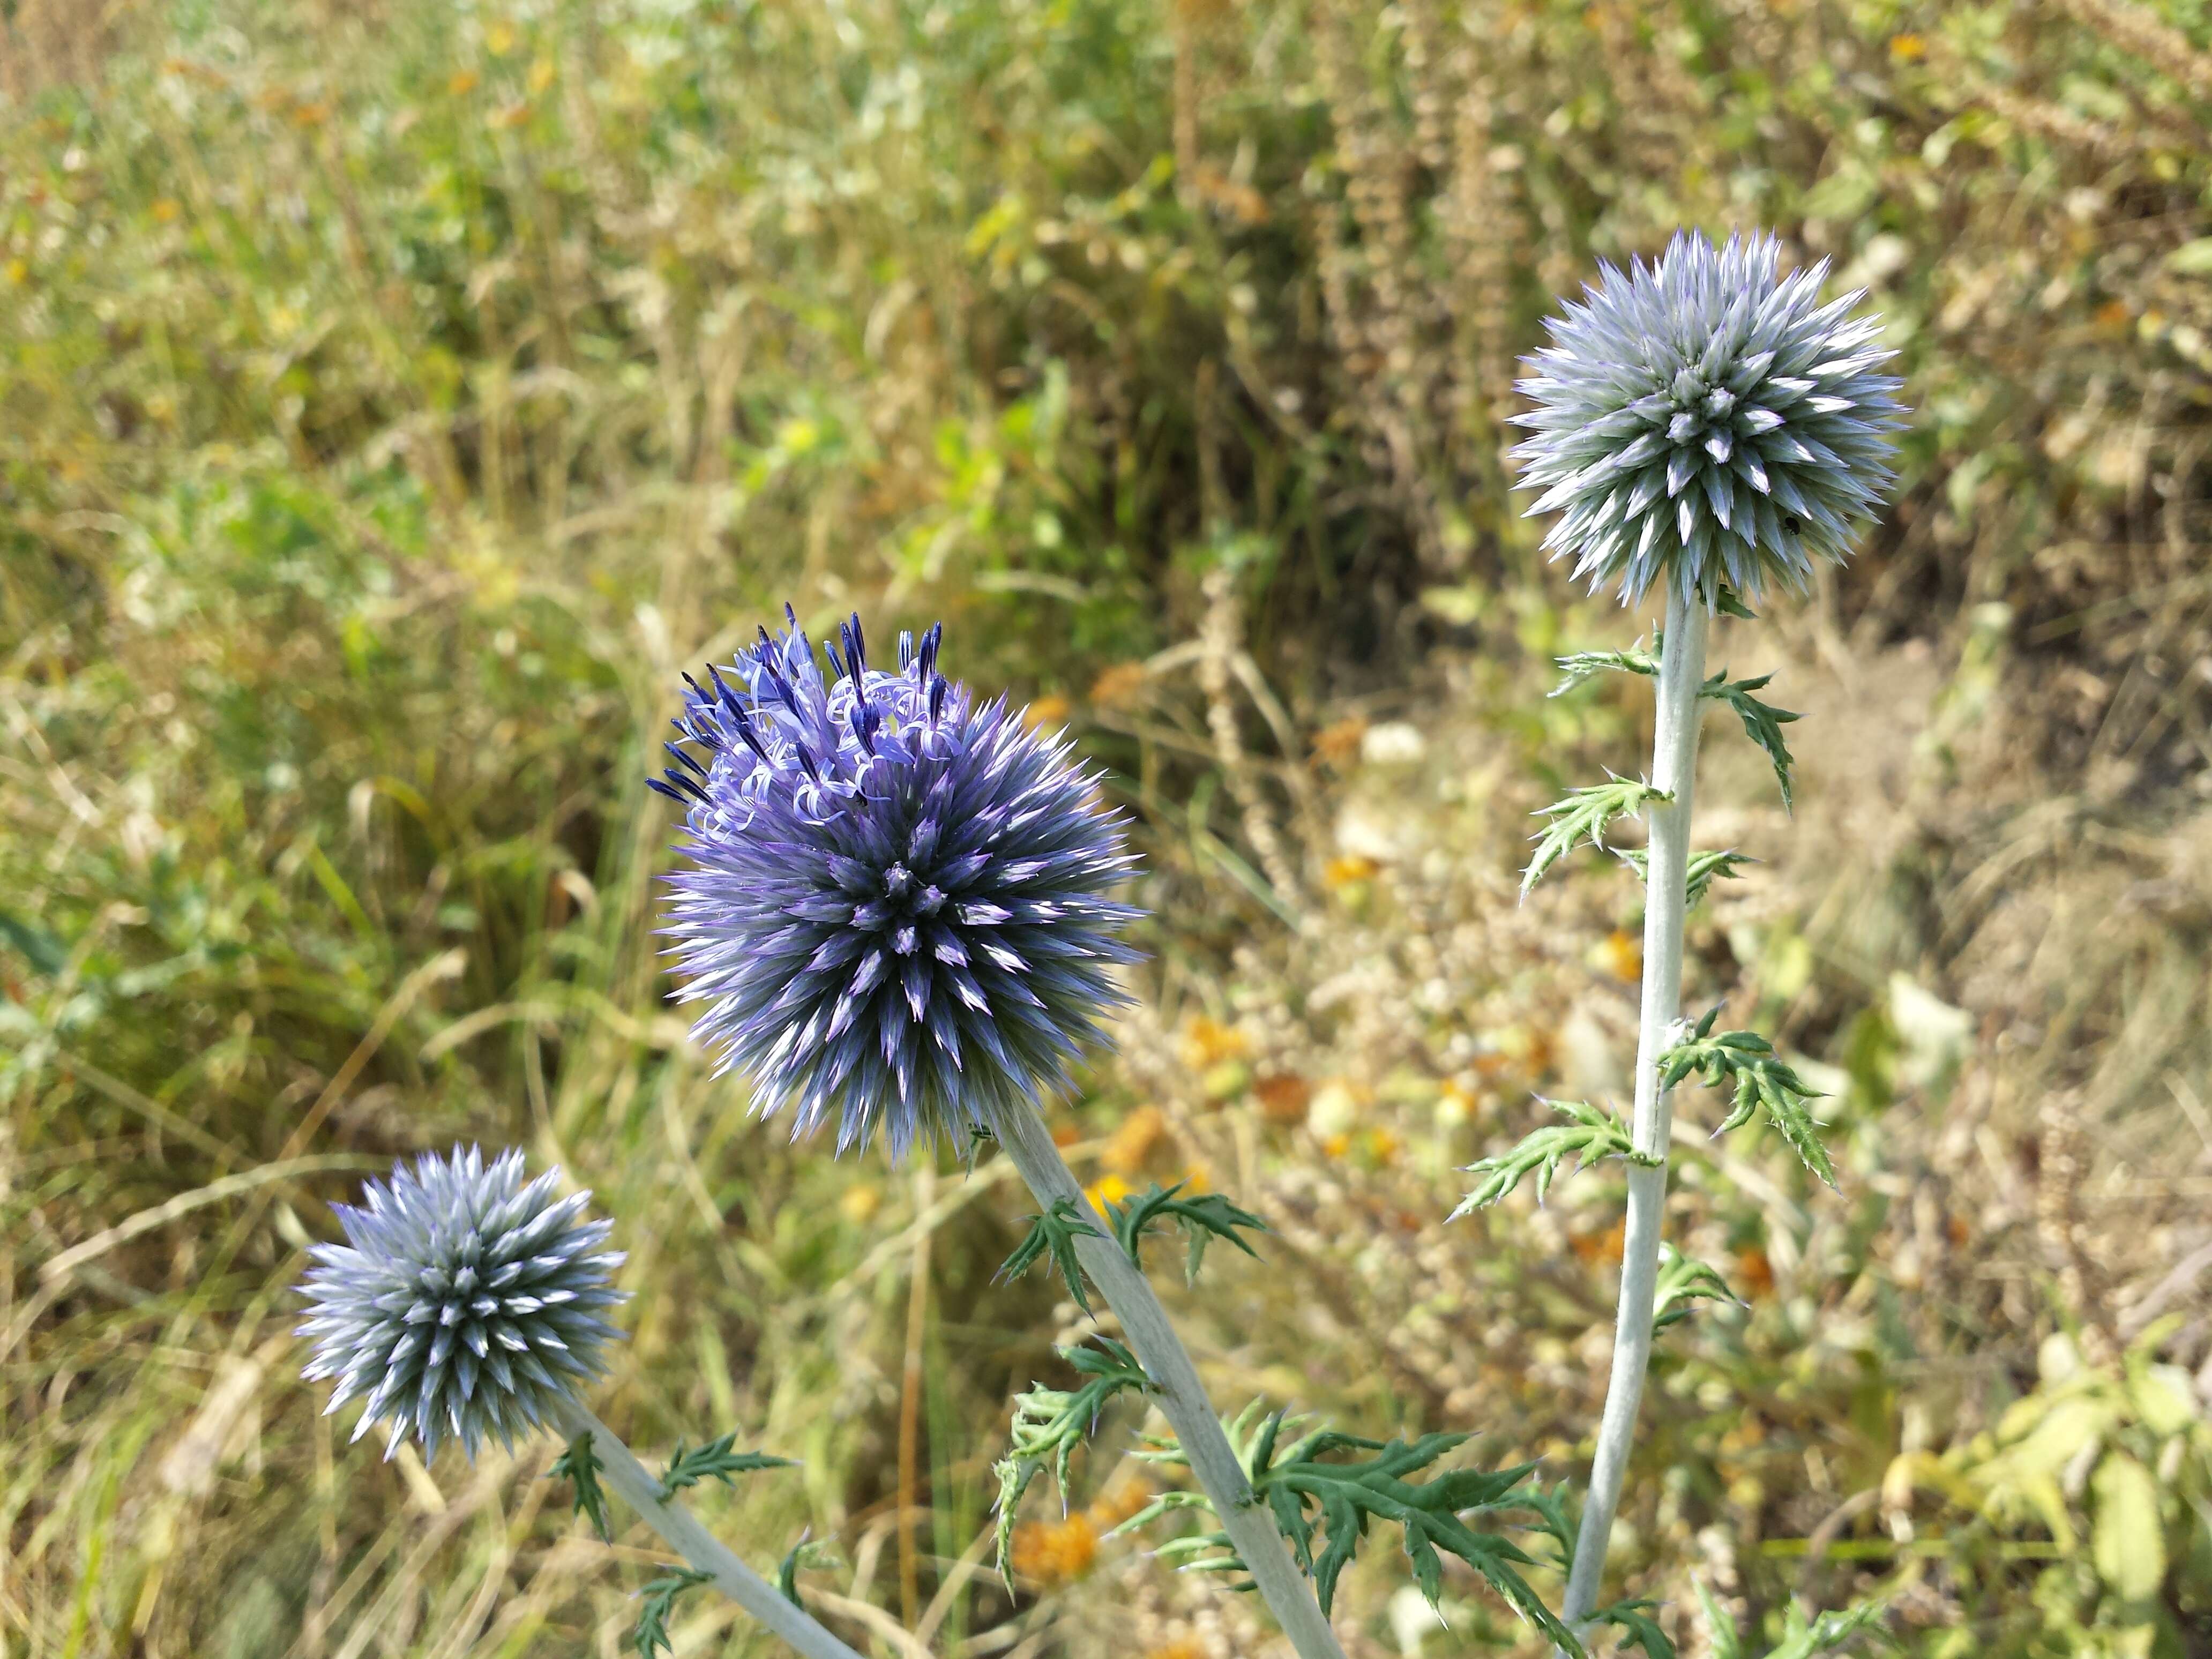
x=683 y=1534
x=1673 y=768
x=1182 y=1401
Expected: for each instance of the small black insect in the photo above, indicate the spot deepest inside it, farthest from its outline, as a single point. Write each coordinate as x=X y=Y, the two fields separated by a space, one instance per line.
x=1790 y=524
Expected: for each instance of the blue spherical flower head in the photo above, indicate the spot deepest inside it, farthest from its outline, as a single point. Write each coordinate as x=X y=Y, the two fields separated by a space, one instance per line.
x=463 y=1302
x=898 y=910
x=1705 y=420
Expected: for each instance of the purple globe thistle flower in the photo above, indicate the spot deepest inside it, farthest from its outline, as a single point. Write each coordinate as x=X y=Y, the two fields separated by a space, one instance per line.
x=463 y=1302
x=1704 y=420
x=897 y=906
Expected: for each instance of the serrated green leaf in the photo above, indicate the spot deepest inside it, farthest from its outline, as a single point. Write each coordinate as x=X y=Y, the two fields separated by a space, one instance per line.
x=1705 y=869
x=806 y=1552
x=1208 y=1217
x=1634 y=1617
x=715 y=1460
x=1554 y=1519
x=1582 y=816
x=1049 y=1424
x=1590 y=1134
x=1052 y=1236
x=1747 y=1061
x=1588 y=664
x=1684 y=1280
x=1290 y=1476
x=1729 y=603
x=1762 y=724
x=579 y=1467
x=659 y=1602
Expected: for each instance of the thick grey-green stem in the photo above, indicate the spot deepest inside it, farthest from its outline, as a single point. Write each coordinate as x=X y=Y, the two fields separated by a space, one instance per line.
x=682 y=1533
x=1182 y=1398
x=1673 y=768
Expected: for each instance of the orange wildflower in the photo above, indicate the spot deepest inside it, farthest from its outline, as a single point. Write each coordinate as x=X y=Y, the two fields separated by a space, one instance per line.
x=1054 y=1551
x=1135 y=1140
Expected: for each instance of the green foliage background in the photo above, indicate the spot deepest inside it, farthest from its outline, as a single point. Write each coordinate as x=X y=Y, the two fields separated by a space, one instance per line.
x=393 y=399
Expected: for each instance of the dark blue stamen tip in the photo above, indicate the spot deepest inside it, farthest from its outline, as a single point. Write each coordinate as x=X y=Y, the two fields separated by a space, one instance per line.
x=737 y=712
x=678 y=788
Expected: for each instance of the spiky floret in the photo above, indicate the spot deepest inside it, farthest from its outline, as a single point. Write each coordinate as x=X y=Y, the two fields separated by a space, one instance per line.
x=1704 y=420
x=463 y=1302
x=896 y=909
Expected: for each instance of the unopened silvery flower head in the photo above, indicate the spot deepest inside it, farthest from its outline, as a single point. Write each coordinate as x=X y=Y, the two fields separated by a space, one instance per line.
x=1704 y=420
x=463 y=1302
x=898 y=910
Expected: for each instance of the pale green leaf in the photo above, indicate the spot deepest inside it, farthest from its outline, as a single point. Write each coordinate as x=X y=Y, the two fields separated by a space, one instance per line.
x=2127 y=1540
x=1582 y=816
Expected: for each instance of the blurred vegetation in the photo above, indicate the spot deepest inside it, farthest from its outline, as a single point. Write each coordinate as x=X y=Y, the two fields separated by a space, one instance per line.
x=393 y=399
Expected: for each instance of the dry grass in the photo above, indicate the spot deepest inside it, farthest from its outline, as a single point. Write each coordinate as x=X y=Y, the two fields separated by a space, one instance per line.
x=389 y=411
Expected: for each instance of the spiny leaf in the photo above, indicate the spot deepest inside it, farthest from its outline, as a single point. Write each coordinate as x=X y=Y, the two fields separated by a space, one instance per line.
x=1634 y=1617
x=579 y=1467
x=1762 y=723
x=1588 y=664
x=806 y=1552
x=1591 y=1133
x=1762 y=1083
x=1728 y=603
x=1684 y=1280
x=1204 y=1218
x=1289 y=1476
x=1582 y=816
x=1705 y=869
x=651 y=1636
x=1049 y=1424
x=1053 y=1234
x=1555 y=1519
x=715 y=1460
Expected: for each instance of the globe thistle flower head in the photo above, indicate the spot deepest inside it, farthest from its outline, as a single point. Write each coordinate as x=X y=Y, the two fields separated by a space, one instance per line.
x=896 y=910
x=1705 y=420
x=463 y=1302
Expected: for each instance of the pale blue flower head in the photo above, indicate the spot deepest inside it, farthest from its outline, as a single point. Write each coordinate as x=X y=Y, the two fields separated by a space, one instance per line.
x=463 y=1302
x=898 y=910
x=1705 y=420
